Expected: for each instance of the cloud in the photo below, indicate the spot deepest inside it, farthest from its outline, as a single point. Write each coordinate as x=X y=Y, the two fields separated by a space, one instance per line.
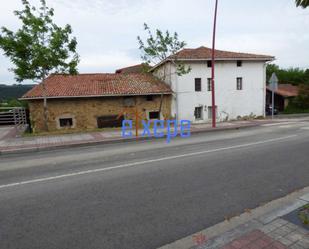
x=106 y=30
x=106 y=62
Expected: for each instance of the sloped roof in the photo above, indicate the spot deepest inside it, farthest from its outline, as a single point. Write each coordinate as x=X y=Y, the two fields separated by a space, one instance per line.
x=205 y=53
x=140 y=68
x=286 y=90
x=96 y=85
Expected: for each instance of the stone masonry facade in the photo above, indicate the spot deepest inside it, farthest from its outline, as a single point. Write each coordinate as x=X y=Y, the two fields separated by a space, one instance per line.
x=85 y=111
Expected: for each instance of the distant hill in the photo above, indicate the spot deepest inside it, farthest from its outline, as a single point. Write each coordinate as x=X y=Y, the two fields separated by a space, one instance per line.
x=13 y=91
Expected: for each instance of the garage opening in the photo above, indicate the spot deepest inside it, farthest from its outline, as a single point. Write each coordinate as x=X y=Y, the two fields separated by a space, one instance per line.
x=109 y=121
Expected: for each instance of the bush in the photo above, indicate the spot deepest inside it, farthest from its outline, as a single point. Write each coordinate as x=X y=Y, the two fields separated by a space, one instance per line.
x=14 y=103
x=302 y=100
x=294 y=110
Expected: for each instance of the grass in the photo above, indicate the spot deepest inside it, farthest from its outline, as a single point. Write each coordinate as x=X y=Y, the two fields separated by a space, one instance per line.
x=303 y=214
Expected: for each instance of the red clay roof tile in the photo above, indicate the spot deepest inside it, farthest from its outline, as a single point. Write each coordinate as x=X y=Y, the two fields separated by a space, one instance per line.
x=205 y=53
x=95 y=85
x=286 y=90
x=140 y=68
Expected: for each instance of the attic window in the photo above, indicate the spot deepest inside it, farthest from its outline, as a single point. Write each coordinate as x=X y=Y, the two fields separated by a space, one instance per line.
x=239 y=63
x=209 y=63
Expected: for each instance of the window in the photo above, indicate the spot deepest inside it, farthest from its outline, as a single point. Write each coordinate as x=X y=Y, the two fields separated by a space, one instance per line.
x=198 y=113
x=209 y=63
x=65 y=122
x=154 y=115
x=149 y=98
x=239 y=83
x=239 y=63
x=210 y=112
x=209 y=85
x=109 y=121
x=198 y=84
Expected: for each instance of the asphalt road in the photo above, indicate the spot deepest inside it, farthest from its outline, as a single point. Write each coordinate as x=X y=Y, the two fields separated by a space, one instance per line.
x=146 y=194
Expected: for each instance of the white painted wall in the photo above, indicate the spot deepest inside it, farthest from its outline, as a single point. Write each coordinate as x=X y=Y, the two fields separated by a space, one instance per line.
x=231 y=103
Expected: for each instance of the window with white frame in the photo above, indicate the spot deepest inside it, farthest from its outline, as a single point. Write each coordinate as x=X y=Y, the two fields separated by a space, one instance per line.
x=209 y=84
x=198 y=113
x=239 y=83
x=65 y=122
x=198 y=84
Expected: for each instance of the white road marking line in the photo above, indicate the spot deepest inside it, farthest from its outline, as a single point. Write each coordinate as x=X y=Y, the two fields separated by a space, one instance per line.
x=142 y=162
x=285 y=123
x=276 y=124
x=305 y=128
x=285 y=126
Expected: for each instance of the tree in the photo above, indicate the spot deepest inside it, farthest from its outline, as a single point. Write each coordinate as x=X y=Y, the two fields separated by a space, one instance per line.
x=40 y=47
x=161 y=46
x=291 y=75
x=302 y=3
x=270 y=69
x=302 y=100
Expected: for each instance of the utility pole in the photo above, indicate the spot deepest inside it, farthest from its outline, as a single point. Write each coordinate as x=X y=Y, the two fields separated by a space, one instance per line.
x=213 y=101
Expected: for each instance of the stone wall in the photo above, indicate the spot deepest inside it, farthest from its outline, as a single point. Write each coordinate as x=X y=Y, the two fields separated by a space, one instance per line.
x=84 y=111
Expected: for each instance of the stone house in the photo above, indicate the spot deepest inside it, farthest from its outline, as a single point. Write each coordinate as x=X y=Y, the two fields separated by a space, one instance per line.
x=90 y=101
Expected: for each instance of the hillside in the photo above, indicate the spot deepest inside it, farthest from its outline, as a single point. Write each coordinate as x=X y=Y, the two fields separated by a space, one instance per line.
x=13 y=91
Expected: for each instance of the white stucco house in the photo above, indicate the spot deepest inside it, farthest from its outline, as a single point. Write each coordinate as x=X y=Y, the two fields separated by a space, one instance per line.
x=240 y=84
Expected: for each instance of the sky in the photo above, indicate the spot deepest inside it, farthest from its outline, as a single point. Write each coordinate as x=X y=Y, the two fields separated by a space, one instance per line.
x=107 y=30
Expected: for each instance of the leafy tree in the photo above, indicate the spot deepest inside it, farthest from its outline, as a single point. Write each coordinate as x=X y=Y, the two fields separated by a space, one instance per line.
x=306 y=76
x=302 y=100
x=302 y=3
x=295 y=76
x=39 y=47
x=16 y=103
x=161 y=46
x=13 y=103
x=270 y=69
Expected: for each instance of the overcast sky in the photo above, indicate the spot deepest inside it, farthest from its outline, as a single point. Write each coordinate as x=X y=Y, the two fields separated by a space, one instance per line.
x=106 y=30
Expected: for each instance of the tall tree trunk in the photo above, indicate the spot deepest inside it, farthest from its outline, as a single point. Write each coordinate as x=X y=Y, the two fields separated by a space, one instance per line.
x=161 y=103
x=45 y=105
x=43 y=82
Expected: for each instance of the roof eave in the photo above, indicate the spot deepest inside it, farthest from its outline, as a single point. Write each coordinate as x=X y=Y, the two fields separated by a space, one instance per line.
x=266 y=59
x=93 y=96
